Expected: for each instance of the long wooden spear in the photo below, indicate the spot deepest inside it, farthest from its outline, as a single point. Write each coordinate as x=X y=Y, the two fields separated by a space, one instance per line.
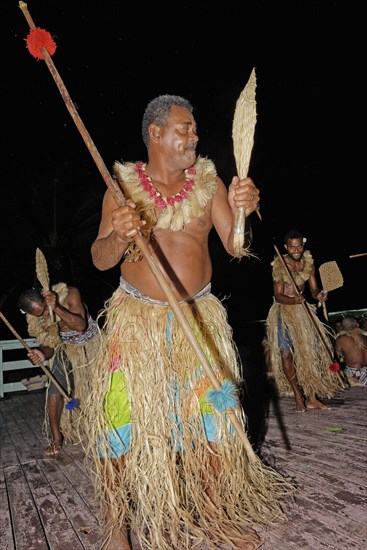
x=120 y=201
x=358 y=255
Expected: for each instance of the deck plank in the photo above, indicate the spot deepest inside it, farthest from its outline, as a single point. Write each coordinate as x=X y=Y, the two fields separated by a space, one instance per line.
x=71 y=496
x=8 y=454
x=50 y=502
x=330 y=509
x=6 y=539
x=55 y=500
x=27 y=526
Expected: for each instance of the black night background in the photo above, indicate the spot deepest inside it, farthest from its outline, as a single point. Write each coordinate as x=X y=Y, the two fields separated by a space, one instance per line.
x=113 y=57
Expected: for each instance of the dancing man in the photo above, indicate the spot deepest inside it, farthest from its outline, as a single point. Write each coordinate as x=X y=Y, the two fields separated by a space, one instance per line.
x=70 y=344
x=168 y=463
x=301 y=349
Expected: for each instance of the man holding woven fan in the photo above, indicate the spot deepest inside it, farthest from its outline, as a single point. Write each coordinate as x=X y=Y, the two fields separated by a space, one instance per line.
x=301 y=351
x=168 y=461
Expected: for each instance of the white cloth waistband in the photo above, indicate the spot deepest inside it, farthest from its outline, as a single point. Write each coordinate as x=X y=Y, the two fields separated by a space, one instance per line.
x=138 y=295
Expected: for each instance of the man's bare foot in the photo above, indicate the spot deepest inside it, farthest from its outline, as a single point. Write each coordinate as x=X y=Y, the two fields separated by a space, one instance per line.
x=316 y=404
x=53 y=450
x=119 y=540
x=300 y=406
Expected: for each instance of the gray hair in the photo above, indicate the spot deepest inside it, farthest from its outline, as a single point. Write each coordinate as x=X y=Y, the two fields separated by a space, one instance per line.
x=158 y=110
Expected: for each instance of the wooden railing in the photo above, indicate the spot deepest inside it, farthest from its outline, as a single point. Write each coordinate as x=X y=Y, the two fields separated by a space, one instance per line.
x=7 y=365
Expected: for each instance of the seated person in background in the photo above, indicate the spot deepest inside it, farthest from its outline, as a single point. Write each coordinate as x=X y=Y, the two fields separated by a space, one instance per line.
x=363 y=324
x=351 y=350
x=338 y=324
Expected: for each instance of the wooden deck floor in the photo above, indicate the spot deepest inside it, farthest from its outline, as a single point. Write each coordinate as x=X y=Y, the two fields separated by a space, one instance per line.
x=47 y=503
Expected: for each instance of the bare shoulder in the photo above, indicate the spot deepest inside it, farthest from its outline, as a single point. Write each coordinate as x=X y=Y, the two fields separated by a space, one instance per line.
x=73 y=296
x=109 y=202
x=220 y=197
x=108 y=206
x=221 y=188
x=345 y=341
x=75 y=302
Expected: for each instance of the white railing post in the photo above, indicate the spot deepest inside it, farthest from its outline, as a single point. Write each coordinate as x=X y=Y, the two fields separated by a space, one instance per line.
x=5 y=366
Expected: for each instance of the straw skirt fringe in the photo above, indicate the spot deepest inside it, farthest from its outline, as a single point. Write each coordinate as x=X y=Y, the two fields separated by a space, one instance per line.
x=311 y=358
x=82 y=359
x=171 y=486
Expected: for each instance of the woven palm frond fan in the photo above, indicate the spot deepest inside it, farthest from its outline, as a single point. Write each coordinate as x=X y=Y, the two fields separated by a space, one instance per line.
x=243 y=130
x=42 y=273
x=331 y=278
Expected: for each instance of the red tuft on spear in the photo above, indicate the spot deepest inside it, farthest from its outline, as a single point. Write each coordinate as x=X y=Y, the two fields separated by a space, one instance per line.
x=39 y=39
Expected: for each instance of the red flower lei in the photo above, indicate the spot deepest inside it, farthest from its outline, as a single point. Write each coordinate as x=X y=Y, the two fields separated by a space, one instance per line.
x=158 y=199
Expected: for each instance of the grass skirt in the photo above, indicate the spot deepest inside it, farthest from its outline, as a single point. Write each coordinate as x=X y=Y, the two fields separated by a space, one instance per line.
x=311 y=358
x=82 y=359
x=172 y=486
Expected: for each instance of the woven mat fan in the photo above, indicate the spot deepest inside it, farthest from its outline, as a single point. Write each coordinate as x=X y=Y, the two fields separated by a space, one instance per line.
x=331 y=278
x=330 y=275
x=42 y=274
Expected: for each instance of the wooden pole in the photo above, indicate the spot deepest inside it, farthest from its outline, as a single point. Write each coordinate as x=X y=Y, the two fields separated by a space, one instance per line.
x=45 y=369
x=358 y=255
x=120 y=201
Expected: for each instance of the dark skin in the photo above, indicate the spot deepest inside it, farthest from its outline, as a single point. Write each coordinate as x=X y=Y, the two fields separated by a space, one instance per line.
x=346 y=349
x=287 y=294
x=73 y=317
x=172 y=150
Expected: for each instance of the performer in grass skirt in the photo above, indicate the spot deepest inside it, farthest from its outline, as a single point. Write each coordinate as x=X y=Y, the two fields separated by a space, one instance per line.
x=301 y=346
x=70 y=342
x=168 y=463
